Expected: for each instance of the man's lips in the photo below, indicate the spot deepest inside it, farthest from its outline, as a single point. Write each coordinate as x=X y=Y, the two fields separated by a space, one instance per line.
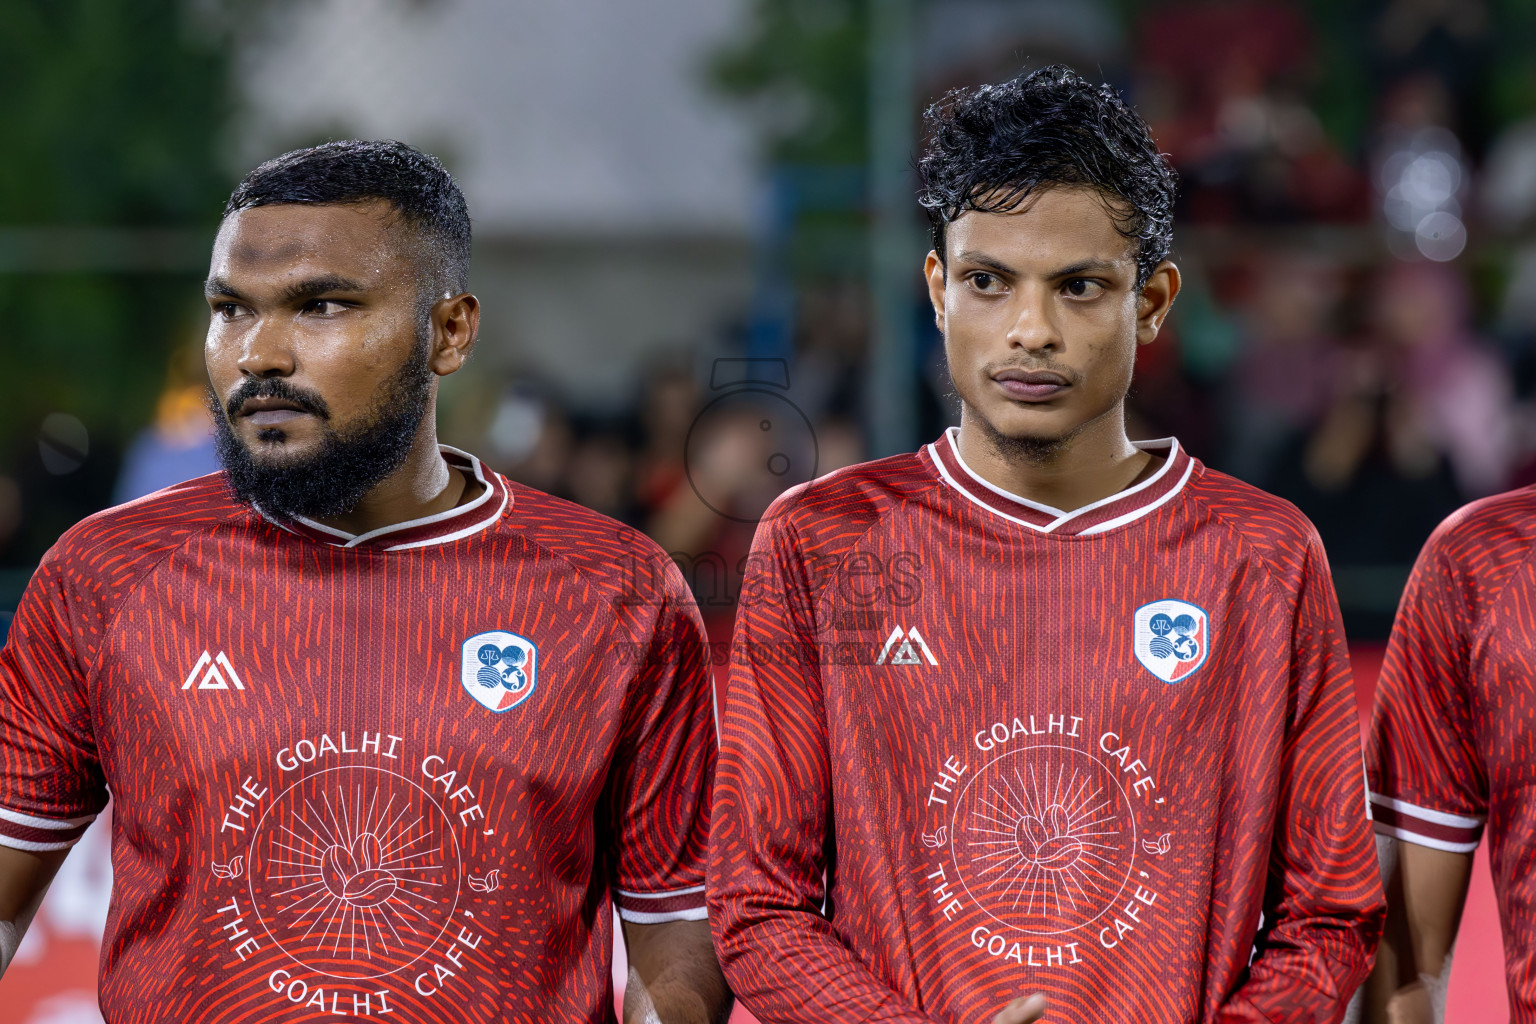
x=271 y=411
x=1031 y=385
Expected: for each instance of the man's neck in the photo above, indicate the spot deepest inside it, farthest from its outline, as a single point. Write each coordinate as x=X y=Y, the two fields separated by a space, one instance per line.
x=424 y=486
x=1097 y=462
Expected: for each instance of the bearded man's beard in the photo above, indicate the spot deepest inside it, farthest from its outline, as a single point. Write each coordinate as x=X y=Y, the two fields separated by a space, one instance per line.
x=332 y=479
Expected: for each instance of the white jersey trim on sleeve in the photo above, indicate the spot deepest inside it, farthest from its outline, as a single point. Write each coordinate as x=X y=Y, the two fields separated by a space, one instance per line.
x=668 y=895
x=31 y=847
x=1397 y=832
x=17 y=818
x=642 y=917
x=1427 y=814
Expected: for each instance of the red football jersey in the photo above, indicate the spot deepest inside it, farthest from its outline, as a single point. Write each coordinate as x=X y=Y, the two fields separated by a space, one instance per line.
x=403 y=773
x=974 y=747
x=1452 y=737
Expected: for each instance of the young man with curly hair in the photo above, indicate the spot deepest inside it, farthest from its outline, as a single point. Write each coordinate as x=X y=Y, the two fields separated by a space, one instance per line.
x=1038 y=718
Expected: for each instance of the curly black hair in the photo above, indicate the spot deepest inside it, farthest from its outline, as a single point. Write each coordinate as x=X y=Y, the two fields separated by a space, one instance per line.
x=416 y=184
x=990 y=147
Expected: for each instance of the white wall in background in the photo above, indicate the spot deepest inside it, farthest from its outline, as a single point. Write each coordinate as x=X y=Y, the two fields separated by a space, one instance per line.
x=554 y=114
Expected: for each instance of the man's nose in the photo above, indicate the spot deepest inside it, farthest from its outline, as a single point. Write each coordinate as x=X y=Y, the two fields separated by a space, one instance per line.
x=1034 y=328
x=265 y=352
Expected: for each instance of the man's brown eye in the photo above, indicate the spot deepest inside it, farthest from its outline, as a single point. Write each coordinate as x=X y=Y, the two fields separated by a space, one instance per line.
x=983 y=281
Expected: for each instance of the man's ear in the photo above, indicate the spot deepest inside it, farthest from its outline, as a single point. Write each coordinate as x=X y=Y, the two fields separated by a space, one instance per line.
x=455 y=327
x=933 y=270
x=1155 y=300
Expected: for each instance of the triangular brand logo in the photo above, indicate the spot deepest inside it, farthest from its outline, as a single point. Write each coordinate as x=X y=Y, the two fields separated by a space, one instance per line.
x=905 y=647
x=212 y=673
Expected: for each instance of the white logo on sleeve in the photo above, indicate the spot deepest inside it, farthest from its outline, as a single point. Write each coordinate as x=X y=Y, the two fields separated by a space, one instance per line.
x=213 y=673
x=905 y=647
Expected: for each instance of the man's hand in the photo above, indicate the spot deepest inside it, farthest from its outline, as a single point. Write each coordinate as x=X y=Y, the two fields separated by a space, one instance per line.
x=1022 y=1010
x=24 y=878
x=674 y=977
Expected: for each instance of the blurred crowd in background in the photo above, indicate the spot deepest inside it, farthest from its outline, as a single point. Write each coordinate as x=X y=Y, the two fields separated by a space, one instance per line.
x=1357 y=232
x=673 y=219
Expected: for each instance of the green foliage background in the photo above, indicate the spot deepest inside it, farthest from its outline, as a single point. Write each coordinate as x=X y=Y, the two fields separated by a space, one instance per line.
x=110 y=116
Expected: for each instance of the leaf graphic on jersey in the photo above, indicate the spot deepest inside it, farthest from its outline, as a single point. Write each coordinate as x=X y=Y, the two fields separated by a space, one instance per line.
x=233 y=869
x=1161 y=647
x=937 y=839
x=489 y=882
x=1162 y=846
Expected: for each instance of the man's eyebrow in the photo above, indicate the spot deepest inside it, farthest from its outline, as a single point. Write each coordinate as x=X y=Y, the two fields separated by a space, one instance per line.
x=982 y=259
x=309 y=288
x=314 y=287
x=220 y=286
x=1085 y=266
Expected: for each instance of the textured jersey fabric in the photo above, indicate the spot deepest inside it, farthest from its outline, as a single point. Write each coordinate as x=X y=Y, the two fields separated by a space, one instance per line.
x=974 y=747
x=1452 y=739
x=406 y=773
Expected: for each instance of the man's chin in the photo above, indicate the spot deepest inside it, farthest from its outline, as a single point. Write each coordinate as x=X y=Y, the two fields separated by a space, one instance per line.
x=1029 y=426
x=270 y=457
x=278 y=442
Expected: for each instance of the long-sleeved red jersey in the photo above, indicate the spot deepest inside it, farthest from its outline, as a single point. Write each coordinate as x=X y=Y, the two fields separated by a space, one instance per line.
x=974 y=747
x=403 y=775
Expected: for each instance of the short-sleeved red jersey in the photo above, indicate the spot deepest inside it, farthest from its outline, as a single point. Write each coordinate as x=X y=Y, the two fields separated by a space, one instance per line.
x=1109 y=755
x=406 y=773
x=1453 y=736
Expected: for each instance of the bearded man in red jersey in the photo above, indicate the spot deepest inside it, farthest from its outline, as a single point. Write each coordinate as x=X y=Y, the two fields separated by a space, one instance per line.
x=385 y=732
x=1094 y=746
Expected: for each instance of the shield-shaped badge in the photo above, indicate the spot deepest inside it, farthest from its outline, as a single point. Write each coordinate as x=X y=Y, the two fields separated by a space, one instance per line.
x=1172 y=638
x=498 y=668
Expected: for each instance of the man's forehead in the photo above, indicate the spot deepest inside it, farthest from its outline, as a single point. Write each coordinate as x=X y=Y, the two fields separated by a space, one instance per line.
x=359 y=238
x=1050 y=223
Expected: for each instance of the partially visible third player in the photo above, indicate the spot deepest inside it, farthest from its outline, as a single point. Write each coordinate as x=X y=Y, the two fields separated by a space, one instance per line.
x=1453 y=756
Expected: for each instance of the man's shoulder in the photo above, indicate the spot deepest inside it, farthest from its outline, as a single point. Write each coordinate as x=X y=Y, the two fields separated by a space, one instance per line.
x=850 y=499
x=1266 y=519
x=1478 y=550
x=596 y=544
x=1492 y=529
x=144 y=529
x=1260 y=524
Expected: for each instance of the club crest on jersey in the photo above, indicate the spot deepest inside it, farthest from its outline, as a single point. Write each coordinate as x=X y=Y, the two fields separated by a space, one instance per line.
x=1172 y=638
x=498 y=669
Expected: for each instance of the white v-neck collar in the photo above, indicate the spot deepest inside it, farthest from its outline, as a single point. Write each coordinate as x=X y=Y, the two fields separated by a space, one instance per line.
x=440 y=528
x=1105 y=514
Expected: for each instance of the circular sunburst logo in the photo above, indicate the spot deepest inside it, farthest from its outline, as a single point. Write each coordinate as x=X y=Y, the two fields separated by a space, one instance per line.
x=354 y=871
x=1044 y=839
